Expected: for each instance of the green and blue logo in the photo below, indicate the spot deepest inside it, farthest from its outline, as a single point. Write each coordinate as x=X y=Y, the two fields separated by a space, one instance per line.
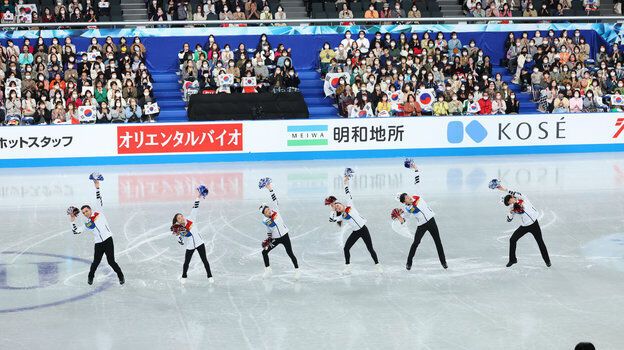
x=307 y=135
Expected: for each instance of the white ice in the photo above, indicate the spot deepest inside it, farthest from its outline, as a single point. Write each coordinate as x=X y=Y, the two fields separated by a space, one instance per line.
x=476 y=304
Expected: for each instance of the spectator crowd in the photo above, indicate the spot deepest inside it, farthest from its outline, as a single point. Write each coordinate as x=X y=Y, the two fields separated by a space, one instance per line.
x=60 y=11
x=423 y=74
x=560 y=73
x=224 y=10
x=53 y=82
x=438 y=74
x=214 y=68
x=530 y=8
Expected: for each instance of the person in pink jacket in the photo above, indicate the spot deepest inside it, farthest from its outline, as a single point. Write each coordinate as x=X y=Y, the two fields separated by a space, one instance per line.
x=576 y=102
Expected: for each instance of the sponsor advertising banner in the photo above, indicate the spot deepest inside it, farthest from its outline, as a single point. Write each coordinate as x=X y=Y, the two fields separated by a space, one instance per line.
x=57 y=141
x=294 y=139
x=180 y=138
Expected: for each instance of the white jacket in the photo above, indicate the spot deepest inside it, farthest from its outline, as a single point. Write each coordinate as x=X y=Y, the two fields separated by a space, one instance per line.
x=192 y=238
x=419 y=209
x=350 y=215
x=96 y=223
x=529 y=215
x=275 y=224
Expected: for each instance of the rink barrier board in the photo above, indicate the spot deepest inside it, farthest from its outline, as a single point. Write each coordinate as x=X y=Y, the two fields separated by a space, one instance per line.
x=310 y=155
x=73 y=145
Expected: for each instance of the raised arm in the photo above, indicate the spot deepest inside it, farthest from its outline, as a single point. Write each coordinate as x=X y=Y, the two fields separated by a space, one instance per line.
x=348 y=191
x=193 y=215
x=269 y=187
x=511 y=192
x=417 y=175
x=99 y=204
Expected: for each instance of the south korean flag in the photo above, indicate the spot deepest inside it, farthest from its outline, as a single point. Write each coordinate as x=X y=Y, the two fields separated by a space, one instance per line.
x=151 y=108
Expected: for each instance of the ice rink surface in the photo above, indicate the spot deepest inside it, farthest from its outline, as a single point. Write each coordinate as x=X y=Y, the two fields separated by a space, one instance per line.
x=45 y=302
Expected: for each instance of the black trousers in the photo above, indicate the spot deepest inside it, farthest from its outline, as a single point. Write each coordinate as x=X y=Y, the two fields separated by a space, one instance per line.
x=285 y=241
x=432 y=227
x=202 y=254
x=536 y=231
x=107 y=247
x=366 y=237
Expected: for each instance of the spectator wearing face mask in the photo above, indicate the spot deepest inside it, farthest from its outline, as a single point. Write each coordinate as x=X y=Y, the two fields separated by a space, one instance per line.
x=383 y=109
x=455 y=106
x=291 y=80
x=512 y=104
x=440 y=107
x=576 y=102
x=42 y=115
x=591 y=103
x=371 y=12
x=279 y=15
x=133 y=111
x=498 y=104
x=326 y=55
x=363 y=43
x=411 y=107
x=485 y=104
x=561 y=104
x=58 y=113
x=397 y=12
x=226 y=14
x=266 y=14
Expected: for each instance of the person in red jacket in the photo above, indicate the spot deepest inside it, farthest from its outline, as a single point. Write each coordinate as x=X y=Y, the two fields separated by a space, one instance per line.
x=486 y=104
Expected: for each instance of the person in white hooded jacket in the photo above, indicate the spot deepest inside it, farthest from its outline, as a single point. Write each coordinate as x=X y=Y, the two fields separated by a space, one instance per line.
x=349 y=215
x=97 y=224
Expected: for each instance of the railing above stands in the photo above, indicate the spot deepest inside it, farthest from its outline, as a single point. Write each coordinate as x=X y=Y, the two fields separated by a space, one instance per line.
x=323 y=21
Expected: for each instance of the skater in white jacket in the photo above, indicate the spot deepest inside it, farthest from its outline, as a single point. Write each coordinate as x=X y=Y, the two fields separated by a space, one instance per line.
x=97 y=224
x=347 y=214
x=424 y=217
x=277 y=231
x=185 y=229
x=521 y=206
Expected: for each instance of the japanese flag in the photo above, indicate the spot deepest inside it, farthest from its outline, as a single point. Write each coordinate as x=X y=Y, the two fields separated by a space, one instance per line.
x=332 y=80
x=151 y=108
x=425 y=98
